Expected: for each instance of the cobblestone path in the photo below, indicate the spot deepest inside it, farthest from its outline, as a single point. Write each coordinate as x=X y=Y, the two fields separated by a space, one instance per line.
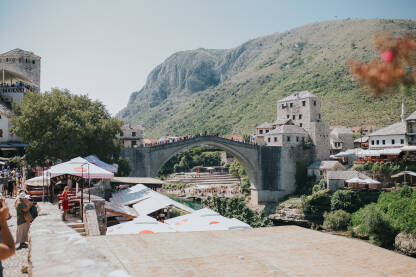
x=13 y=266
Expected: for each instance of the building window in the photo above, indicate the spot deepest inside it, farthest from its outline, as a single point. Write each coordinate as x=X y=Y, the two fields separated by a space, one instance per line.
x=20 y=60
x=294 y=117
x=383 y=141
x=261 y=132
x=33 y=62
x=304 y=103
x=287 y=116
x=7 y=60
x=314 y=103
x=319 y=116
x=267 y=131
x=283 y=106
x=291 y=105
x=1 y=133
x=133 y=143
x=133 y=134
x=402 y=141
x=297 y=138
x=268 y=139
x=275 y=139
x=378 y=142
x=288 y=138
x=26 y=60
x=121 y=134
x=321 y=172
x=300 y=125
x=392 y=141
x=300 y=116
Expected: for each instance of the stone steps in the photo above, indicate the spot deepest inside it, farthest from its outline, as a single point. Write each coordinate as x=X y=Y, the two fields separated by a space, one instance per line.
x=78 y=227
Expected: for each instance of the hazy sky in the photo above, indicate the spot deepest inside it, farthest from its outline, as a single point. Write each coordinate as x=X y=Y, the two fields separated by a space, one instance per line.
x=106 y=48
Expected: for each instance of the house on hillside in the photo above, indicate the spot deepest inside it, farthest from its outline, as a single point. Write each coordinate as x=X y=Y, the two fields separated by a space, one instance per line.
x=131 y=136
x=261 y=130
x=336 y=179
x=340 y=139
x=396 y=135
x=361 y=142
x=319 y=169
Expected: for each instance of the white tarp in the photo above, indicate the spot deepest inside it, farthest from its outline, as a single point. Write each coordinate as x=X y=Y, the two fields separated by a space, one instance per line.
x=80 y=167
x=205 y=220
x=145 y=200
x=38 y=181
x=140 y=225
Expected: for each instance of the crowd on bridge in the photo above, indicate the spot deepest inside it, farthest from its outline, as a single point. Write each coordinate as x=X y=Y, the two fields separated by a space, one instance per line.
x=19 y=84
x=171 y=140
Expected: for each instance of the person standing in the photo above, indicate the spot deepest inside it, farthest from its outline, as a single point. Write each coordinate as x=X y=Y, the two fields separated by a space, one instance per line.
x=23 y=205
x=65 y=204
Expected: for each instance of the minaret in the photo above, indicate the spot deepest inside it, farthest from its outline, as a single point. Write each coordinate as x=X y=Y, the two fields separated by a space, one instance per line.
x=403 y=115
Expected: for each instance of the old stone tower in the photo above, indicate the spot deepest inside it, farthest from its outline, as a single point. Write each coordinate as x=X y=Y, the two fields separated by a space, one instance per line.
x=304 y=110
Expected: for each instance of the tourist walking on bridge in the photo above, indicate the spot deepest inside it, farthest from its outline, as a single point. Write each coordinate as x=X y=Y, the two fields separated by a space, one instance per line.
x=23 y=205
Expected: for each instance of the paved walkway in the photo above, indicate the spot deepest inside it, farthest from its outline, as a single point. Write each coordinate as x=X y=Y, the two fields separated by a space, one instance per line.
x=13 y=265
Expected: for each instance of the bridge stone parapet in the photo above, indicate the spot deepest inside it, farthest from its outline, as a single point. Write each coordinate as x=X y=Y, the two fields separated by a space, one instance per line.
x=270 y=169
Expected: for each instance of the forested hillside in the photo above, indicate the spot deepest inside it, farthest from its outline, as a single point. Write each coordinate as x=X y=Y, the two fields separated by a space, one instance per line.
x=231 y=91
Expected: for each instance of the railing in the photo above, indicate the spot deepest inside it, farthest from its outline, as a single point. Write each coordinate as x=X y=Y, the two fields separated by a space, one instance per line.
x=13 y=90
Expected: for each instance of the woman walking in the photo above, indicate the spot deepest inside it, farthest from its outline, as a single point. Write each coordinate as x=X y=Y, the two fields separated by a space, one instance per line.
x=65 y=205
x=23 y=205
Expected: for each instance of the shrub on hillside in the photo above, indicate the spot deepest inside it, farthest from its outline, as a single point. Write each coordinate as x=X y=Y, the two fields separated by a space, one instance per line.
x=245 y=186
x=320 y=186
x=236 y=208
x=345 y=200
x=372 y=223
x=316 y=204
x=337 y=220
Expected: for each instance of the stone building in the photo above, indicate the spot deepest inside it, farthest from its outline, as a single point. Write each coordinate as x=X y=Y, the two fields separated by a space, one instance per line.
x=319 y=169
x=340 y=139
x=303 y=110
x=131 y=135
x=19 y=74
x=286 y=135
x=396 y=135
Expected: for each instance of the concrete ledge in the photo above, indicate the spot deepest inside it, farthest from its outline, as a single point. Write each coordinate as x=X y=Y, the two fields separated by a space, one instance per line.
x=58 y=250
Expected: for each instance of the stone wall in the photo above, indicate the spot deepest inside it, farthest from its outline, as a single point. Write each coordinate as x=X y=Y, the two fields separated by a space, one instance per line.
x=57 y=250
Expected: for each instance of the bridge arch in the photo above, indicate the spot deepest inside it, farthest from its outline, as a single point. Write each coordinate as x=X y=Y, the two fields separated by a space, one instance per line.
x=248 y=159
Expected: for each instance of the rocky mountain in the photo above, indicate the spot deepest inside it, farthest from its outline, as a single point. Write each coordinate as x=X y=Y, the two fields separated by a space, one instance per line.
x=231 y=91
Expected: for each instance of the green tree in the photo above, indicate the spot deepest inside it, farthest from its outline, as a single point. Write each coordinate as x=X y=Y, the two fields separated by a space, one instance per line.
x=124 y=167
x=60 y=125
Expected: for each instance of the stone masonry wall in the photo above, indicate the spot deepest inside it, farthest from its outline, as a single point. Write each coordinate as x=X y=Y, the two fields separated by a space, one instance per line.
x=57 y=250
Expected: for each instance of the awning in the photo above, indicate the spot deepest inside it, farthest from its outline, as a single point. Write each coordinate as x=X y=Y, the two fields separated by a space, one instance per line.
x=80 y=167
x=205 y=220
x=404 y=173
x=140 y=225
x=38 y=181
x=95 y=160
x=355 y=180
x=408 y=148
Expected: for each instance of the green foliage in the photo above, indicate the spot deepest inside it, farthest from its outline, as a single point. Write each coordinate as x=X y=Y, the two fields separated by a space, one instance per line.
x=345 y=200
x=189 y=160
x=372 y=223
x=176 y=212
x=245 y=186
x=315 y=205
x=60 y=125
x=338 y=220
x=236 y=208
x=16 y=162
x=246 y=138
x=385 y=168
x=237 y=170
x=320 y=186
x=124 y=167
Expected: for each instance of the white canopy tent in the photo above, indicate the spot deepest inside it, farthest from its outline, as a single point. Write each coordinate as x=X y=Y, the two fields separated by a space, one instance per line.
x=80 y=167
x=145 y=200
x=140 y=225
x=205 y=220
x=39 y=181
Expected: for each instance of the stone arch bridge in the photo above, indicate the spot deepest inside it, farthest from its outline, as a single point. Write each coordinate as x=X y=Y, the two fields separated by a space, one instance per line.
x=271 y=169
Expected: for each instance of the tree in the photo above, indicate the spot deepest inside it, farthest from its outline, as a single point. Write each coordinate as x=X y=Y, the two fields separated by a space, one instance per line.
x=60 y=125
x=395 y=68
x=124 y=167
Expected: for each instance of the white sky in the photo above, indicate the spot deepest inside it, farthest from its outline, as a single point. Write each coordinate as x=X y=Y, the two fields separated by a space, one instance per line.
x=107 y=48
